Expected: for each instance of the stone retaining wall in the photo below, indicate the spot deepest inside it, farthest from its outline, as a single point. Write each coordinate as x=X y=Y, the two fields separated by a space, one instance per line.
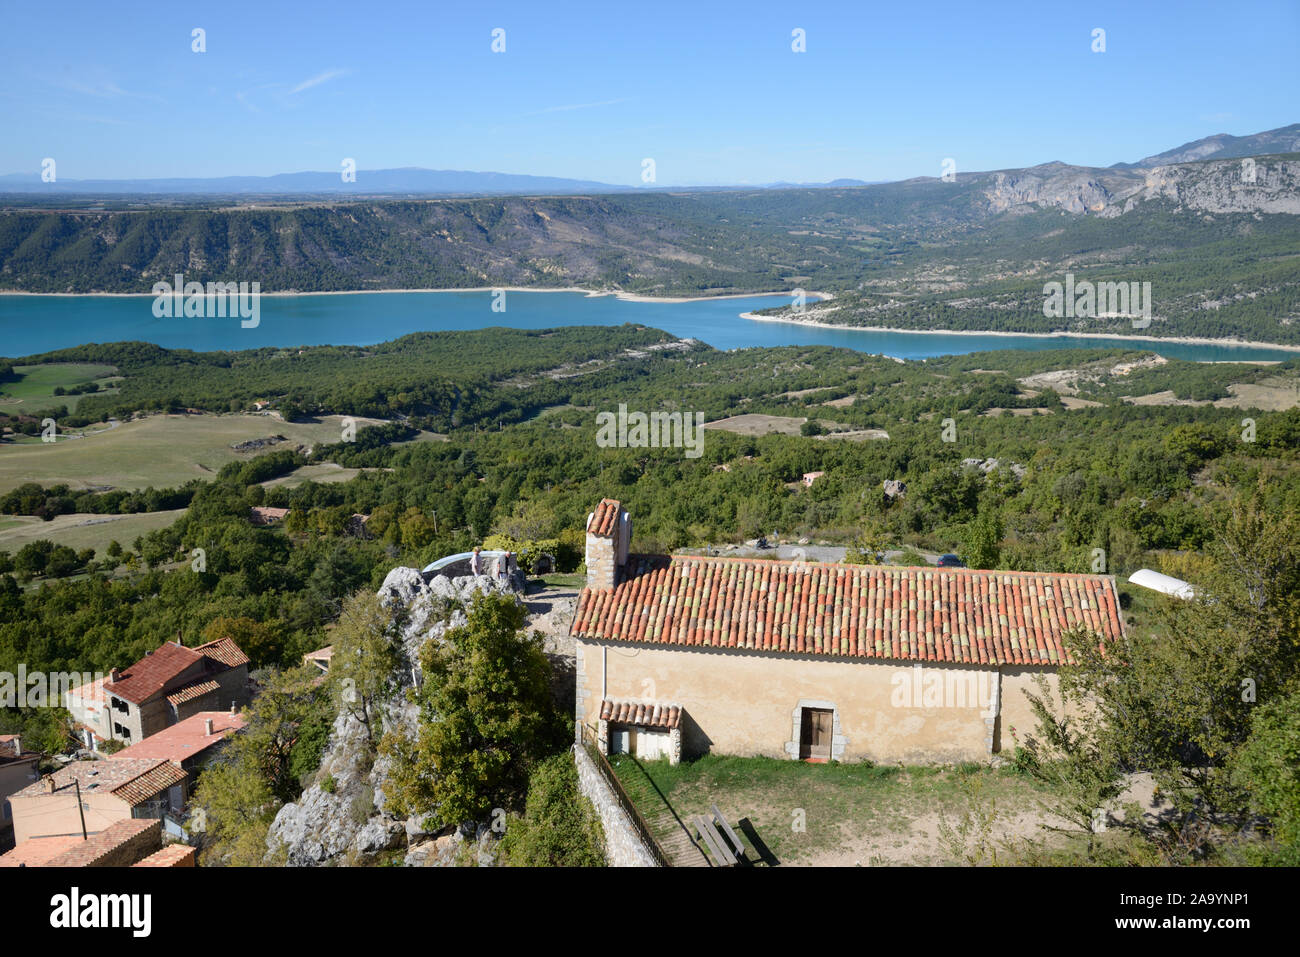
x=623 y=844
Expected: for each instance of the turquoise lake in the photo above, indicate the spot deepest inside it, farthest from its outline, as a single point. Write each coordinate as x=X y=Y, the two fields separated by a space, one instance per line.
x=34 y=324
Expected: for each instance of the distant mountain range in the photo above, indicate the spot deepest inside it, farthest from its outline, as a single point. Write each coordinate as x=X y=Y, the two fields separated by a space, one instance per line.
x=1284 y=139
x=408 y=181
x=414 y=181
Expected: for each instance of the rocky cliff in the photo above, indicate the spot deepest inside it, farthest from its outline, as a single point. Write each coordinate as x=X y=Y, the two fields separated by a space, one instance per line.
x=342 y=818
x=1264 y=185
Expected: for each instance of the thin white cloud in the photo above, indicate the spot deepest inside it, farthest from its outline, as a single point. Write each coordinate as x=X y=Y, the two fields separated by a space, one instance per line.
x=575 y=106
x=317 y=80
x=100 y=89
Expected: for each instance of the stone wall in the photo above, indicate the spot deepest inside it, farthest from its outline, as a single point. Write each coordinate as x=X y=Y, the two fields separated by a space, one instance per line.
x=623 y=844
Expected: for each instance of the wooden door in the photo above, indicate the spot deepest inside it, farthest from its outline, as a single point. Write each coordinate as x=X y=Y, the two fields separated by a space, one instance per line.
x=815 y=734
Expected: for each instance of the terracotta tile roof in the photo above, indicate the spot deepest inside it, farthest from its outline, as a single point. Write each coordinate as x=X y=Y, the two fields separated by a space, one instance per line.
x=39 y=851
x=190 y=692
x=90 y=852
x=173 y=855
x=147 y=677
x=649 y=714
x=320 y=654
x=860 y=611
x=134 y=780
x=225 y=651
x=185 y=739
x=264 y=515
x=150 y=784
x=603 y=518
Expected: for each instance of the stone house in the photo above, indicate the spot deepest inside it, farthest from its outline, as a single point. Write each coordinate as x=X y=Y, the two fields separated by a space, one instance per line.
x=18 y=769
x=108 y=791
x=164 y=687
x=685 y=655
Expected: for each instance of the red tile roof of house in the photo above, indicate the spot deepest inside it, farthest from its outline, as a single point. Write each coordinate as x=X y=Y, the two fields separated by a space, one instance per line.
x=90 y=852
x=133 y=780
x=647 y=714
x=603 y=518
x=39 y=851
x=190 y=692
x=225 y=651
x=185 y=739
x=150 y=784
x=148 y=676
x=173 y=855
x=858 y=611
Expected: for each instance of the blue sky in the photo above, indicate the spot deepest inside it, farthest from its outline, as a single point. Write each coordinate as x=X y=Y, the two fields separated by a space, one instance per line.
x=711 y=91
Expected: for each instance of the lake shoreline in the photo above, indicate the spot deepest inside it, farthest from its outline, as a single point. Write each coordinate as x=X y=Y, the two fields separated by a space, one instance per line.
x=589 y=293
x=1182 y=340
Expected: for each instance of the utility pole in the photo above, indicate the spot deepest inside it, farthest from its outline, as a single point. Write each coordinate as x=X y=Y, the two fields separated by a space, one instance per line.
x=80 y=810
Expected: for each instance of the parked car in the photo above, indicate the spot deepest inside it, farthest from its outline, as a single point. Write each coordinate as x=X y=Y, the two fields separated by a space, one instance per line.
x=951 y=561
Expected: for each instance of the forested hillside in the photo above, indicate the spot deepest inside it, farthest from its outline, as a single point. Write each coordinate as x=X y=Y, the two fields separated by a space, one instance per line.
x=1223 y=258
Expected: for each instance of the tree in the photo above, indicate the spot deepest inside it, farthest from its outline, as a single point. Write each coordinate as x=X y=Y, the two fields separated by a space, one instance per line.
x=1179 y=699
x=32 y=558
x=1070 y=753
x=871 y=543
x=1267 y=769
x=981 y=541
x=417 y=528
x=366 y=653
x=232 y=811
x=487 y=717
x=559 y=826
x=527 y=520
x=238 y=795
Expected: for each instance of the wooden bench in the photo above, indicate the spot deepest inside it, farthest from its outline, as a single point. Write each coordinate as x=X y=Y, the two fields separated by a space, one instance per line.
x=723 y=844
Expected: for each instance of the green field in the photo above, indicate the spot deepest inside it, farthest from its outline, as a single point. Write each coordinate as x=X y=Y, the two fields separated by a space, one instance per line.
x=162 y=451
x=82 y=530
x=35 y=390
x=325 y=473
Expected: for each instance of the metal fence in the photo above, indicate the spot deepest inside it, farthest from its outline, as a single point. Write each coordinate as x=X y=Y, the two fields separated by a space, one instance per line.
x=589 y=742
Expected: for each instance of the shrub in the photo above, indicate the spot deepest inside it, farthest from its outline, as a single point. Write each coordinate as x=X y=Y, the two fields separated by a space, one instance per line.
x=559 y=827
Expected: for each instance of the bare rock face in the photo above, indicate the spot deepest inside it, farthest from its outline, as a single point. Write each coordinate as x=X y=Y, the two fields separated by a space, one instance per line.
x=343 y=815
x=403 y=585
x=1072 y=188
x=1264 y=184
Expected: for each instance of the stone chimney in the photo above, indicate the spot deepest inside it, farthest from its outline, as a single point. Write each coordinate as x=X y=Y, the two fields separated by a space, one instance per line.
x=49 y=784
x=18 y=746
x=113 y=674
x=207 y=727
x=609 y=532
